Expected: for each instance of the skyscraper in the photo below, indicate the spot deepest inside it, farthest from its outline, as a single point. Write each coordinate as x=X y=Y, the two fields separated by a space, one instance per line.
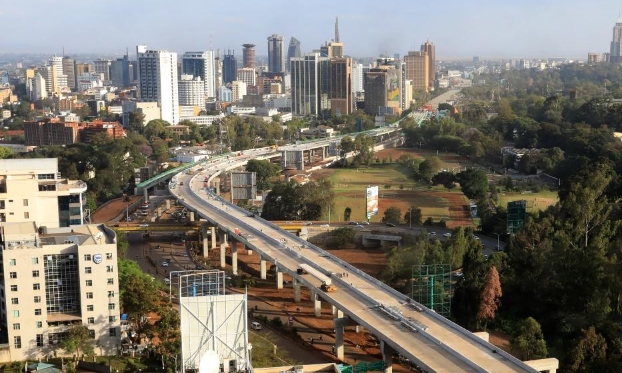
x=417 y=70
x=157 y=81
x=292 y=51
x=310 y=84
x=120 y=72
x=248 y=56
x=102 y=66
x=57 y=65
x=229 y=68
x=430 y=50
x=276 y=55
x=191 y=91
x=341 y=85
x=69 y=69
x=201 y=64
x=615 y=53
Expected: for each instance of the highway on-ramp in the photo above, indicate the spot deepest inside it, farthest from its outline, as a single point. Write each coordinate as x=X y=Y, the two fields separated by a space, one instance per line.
x=433 y=342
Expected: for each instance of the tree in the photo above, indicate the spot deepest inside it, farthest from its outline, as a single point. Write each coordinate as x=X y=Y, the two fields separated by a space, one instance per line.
x=167 y=329
x=413 y=216
x=138 y=294
x=265 y=170
x=78 y=339
x=474 y=183
x=392 y=215
x=6 y=152
x=137 y=121
x=84 y=111
x=346 y=214
x=342 y=236
x=445 y=178
x=591 y=348
x=527 y=341
x=489 y=299
x=429 y=167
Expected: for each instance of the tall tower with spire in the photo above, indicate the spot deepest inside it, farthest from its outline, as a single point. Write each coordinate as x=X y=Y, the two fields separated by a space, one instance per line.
x=615 y=53
x=337 y=30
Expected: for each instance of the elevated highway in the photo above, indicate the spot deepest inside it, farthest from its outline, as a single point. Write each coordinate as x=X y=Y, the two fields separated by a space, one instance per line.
x=403 y=326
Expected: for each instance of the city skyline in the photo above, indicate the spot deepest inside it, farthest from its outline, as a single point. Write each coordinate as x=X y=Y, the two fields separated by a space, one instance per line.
x=487 y=29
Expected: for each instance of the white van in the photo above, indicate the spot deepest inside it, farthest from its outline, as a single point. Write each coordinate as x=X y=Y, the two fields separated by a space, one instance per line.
x=255 y=325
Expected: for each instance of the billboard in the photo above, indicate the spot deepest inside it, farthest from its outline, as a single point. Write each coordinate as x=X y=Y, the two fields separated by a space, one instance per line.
x=371 y=201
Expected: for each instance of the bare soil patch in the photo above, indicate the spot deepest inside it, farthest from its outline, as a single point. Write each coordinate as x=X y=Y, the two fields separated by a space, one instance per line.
x=111 y=210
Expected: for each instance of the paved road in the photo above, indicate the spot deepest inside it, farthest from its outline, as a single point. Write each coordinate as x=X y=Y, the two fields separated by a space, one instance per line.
x=438 y=345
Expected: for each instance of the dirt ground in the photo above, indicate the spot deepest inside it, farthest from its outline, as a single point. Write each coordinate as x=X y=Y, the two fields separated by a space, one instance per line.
x=111 y=210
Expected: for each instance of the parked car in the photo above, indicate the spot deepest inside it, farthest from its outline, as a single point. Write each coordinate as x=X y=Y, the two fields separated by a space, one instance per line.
x=390 y=225
x=447 y=235
x=364 y=223
x=164 y=264
x=353 y=223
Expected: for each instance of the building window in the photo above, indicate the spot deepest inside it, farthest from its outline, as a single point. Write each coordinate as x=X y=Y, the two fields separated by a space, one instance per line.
x=87 y=257
x=39 y=340
x=89 y=307
x=89 y=282
x=36 y=286
x=25 y=203
x=110 y=294
x=17 y=341
x=89 y=295
x=14 y=301
x=37 y=311
x=37 y=299
x=92 y=333
x=16 y=326
x=35 y=273
x=13 y=287
x=15 y=313
x=112 y=318
x=111 y=306
x=112 y=332
x=13 y=274
x=26 y=215
x=111 y=281
x=90 y=320
x=35 y=260
x=109 y=269
x=87 y=270
x=109 y=256
x=39 y=324
x=12 y=262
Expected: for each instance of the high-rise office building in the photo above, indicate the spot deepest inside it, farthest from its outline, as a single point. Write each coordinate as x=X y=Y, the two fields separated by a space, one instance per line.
x=201 y=64
x=248 y=56
x=238 y=90
x=276 y=55
x=310 y=84
x=120 y=72
x=417 y=70
x=229 y=68
x=56 y=63
x=49 y=73
x=37 y=89
x=357 y=77
x=191 y=91
x=102 y=66
x=69 y=69
x=247 y=75
x=83 y=68
x=383 y=90
x=430 y=50
x=292 y=51
x=341 y=86
x=157 y=81
x=615 y=53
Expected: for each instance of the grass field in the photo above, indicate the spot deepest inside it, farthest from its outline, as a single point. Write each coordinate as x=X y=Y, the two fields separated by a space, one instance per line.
x=535 y=201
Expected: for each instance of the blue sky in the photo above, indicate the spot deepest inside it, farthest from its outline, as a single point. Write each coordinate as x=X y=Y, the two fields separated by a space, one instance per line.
x=458 y=28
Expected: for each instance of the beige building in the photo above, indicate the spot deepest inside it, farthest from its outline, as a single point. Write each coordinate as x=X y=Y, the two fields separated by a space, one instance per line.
x=417 y=70
x=53 y=279
x=33 y=190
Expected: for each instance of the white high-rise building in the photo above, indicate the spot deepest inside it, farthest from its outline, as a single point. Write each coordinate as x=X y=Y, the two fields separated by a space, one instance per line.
x=357 y=77
x=37 y=88
x=201 y=64
x=247 y=75
x=191 y=91
x=157 y=81
x=238 y=90
x=57 y=64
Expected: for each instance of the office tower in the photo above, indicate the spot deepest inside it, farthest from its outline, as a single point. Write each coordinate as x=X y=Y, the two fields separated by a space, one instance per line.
x=292 y=51
x=276 y=57
x=238 y=90
x=82 y=68
x=310 y=87
x=51 y=83
x=340 y=70
x=157 y=81
x=430 y=50
x=229 y=68
x=334 y=50
x=120 y=72
x=102 y=66
x=615 y=53
x=201 y=64
x=417 y=70
x=594 y=57
x=56 y=63
x=248 y=56
x=247 y=75
x=37 y=88
x=69 y=69
x=475 y=59
x=357 y=77
x=383 y=91
x=191 y=91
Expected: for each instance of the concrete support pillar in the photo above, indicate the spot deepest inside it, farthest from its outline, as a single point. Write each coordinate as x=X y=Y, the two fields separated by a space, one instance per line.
x=323 y=152
x=234 y=256
x=223 y=249
x=213 y=234
x=302 y=160
x=190 y=215
x=310 y=156
x=279 y=279
x=249 y=251
x=338 y=341
x=262 y=269
x=387 y=356
x=159 y=212
x=296 y=286
x=339 y=314
x=317 y=304
x=146 y=195
x=168 y=204
x=204 y=229
x=333 y=309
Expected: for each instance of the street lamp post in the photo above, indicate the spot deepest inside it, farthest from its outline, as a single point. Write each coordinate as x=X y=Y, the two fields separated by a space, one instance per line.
x=497 y=241
x=410 y=217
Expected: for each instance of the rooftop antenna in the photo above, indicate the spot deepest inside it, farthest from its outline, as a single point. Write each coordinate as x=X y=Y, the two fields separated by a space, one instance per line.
x=337 y=30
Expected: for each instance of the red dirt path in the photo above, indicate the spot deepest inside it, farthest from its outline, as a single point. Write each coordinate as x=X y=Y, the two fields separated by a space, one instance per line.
x=111 y=210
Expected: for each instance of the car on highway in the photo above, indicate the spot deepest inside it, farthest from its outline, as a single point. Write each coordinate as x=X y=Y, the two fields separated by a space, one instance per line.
x=447 y=235
x=353 y=223
x=358 y=226
x=364 y=223
x=144 y=225
x=390 y=225
x=324 y=225
x=164 y=264
x=432 y=234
